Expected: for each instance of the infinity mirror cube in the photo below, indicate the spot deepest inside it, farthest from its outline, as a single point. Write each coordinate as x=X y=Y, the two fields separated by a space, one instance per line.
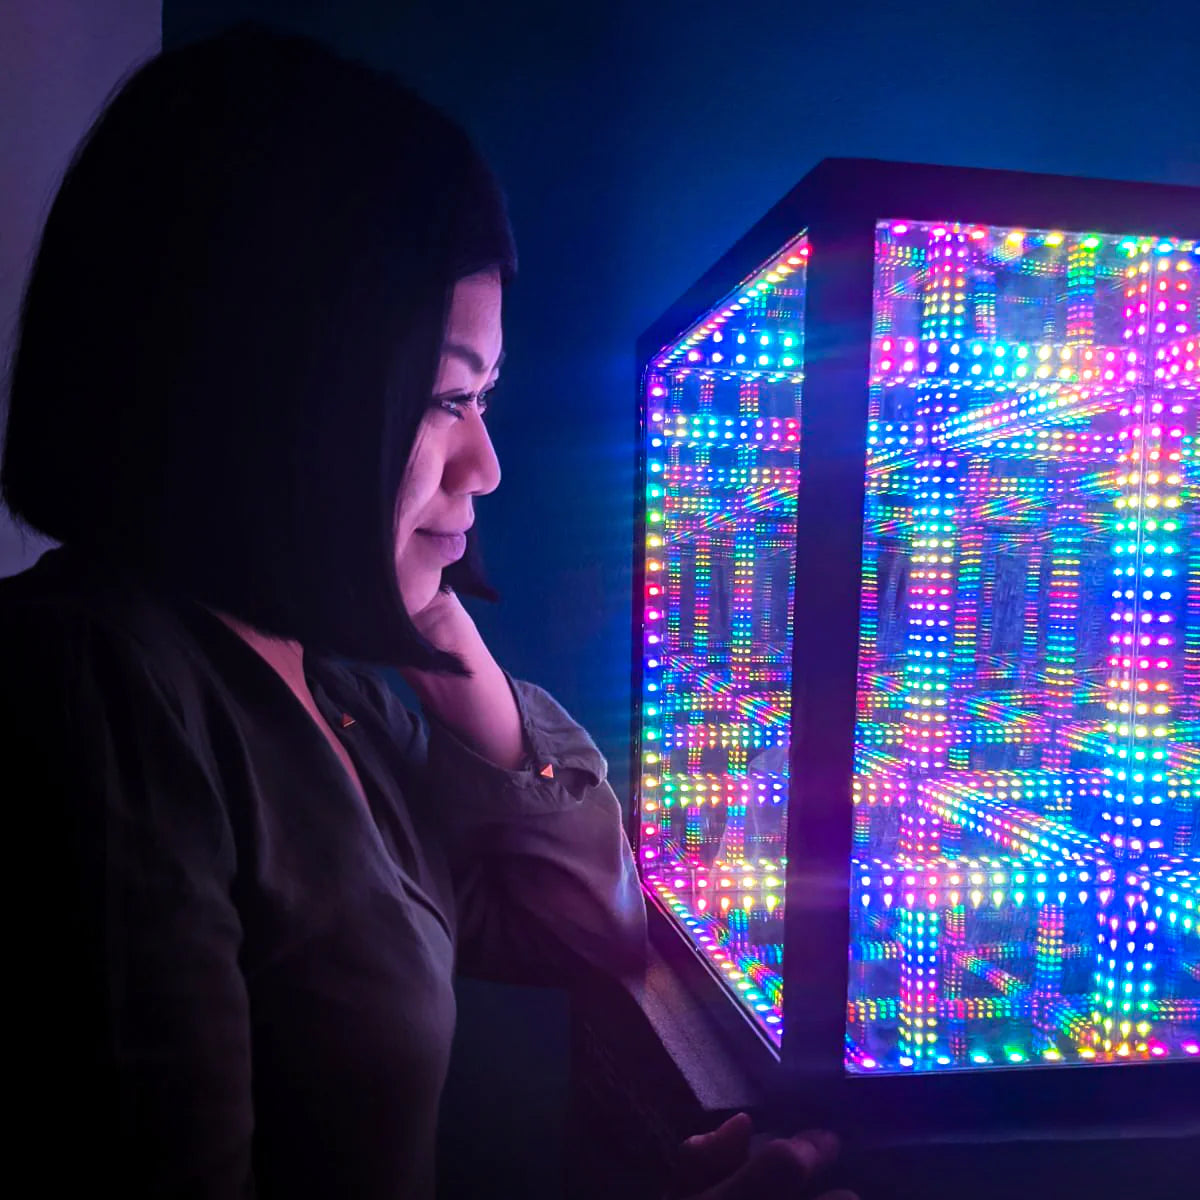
x=918 y=623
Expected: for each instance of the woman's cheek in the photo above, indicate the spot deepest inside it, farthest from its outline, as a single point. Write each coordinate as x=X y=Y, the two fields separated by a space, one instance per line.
x=418 y=489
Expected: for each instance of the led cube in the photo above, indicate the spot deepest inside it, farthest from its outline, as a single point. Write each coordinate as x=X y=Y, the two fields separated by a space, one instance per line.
x=918 y=623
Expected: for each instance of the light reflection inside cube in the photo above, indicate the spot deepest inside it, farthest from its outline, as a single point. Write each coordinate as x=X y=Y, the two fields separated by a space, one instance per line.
x=1025 y=883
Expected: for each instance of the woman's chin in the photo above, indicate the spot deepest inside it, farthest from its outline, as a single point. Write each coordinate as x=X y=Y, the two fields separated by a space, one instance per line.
x=419 y=594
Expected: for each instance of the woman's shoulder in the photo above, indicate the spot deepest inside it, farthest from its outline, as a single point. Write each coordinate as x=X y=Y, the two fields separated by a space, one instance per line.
x=64 y=621
x=104 y=673
x=60 y=594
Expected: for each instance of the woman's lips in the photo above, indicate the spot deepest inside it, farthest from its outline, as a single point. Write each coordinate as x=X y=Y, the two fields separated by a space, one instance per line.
x=450 y=546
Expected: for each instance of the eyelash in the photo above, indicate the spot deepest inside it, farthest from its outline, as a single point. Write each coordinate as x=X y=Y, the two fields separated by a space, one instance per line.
x=450 y=403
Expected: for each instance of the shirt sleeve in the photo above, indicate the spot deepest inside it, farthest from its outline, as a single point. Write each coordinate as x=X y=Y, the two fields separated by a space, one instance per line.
x=545 y=887
x=134 y=1063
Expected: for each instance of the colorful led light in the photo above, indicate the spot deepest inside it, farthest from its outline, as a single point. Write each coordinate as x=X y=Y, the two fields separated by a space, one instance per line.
x=1047 y=783
x=722 y=462
x=1025 y=885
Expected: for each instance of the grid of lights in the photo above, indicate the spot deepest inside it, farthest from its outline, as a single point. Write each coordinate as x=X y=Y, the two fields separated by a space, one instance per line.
x=1026 y=886
x=730 y=339
x=1026 y=883
x=722 y=437
x=1026 y=831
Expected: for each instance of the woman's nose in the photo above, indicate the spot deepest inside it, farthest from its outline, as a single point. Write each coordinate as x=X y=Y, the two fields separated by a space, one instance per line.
x=474 y=467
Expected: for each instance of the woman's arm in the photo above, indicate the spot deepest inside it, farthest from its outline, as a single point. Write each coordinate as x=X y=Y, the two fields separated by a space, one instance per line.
x=544 y=877
x=132 y=1027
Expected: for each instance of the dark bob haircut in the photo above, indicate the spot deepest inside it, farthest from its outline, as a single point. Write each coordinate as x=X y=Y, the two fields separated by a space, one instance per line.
x=232 y=330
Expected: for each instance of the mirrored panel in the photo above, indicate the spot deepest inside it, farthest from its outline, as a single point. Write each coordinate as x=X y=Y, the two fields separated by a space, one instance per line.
x=1025 y=883
x=722 y=438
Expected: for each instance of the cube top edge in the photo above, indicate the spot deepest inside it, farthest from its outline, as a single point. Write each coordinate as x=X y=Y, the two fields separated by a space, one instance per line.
x=840 y=199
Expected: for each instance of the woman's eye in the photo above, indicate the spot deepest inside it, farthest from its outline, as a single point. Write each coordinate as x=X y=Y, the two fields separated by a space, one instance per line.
x=455 y=405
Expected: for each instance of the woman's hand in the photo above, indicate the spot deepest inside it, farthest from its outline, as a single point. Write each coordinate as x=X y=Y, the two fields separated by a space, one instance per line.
x=719 y=1165
x=480 y=709
x=446 y=624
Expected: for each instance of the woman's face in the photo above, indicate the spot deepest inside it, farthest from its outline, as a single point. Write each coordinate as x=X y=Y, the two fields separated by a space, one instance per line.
x=452 y=460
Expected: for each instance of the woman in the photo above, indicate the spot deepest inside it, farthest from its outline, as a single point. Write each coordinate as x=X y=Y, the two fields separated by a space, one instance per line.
x=254 y=359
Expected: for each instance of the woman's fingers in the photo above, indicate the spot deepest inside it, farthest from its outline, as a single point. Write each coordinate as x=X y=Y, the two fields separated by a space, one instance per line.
x=823 y=1142
x=710 y=1157
x=781 y=1167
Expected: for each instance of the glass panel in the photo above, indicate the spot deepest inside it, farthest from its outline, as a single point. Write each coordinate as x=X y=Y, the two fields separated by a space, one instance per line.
x=722 y=436
x=1025 y=874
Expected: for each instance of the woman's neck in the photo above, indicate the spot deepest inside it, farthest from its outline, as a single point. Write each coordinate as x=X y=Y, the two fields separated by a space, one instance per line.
x=287 y=658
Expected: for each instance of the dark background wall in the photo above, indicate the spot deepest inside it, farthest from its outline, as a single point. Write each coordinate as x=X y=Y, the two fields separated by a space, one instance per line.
x=637 y=141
